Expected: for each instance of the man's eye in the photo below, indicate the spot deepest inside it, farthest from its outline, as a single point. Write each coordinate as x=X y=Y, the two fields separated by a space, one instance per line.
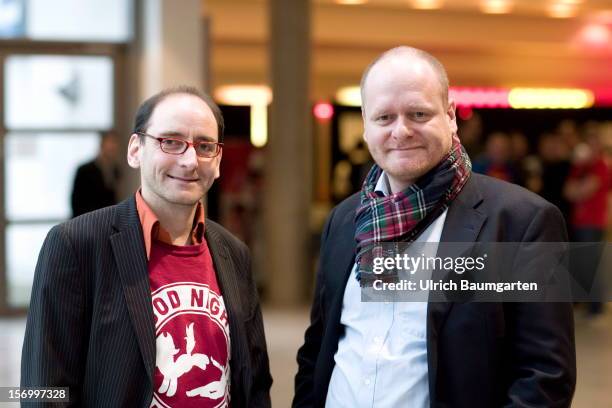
x=173 y=146
x=419 y=115
x=172 y=143
x=383 y=118
x=207 y=147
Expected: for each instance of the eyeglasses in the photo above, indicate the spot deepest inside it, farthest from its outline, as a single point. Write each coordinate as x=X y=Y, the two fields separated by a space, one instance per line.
x=171 y=145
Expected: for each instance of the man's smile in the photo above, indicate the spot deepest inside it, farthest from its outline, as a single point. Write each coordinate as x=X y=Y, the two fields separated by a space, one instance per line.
x=184 y=179
x=405 y=149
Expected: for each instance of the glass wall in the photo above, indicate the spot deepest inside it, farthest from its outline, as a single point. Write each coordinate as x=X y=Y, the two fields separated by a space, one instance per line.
x=55 y=103
x=67 y=20
x=54 y=107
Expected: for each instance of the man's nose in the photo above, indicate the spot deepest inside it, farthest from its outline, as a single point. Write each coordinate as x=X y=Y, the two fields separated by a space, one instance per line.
x=402 y=128
x=189 y=158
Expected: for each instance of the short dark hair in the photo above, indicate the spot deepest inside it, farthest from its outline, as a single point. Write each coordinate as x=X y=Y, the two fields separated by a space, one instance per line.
x=145 y=110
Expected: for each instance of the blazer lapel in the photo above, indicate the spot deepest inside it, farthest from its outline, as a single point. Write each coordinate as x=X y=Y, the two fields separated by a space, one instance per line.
x=130 y=255
x=463 y=223
x=343 y=261
x=229 y=286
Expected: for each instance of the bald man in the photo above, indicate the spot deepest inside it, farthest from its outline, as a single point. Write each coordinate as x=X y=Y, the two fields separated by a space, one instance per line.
x=422 y=189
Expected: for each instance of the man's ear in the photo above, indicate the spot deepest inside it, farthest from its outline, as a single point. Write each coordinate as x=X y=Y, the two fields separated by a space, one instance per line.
x=134 y=151
x=452 y=115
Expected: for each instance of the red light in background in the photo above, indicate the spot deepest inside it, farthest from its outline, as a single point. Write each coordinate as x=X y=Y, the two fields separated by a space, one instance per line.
x=603 y=97
x=464 y=112
x=323 y=111
x=480 y=97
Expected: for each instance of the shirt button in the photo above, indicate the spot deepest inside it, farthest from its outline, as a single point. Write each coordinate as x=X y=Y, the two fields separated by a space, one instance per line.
x=366 y=381
x=387 y=303
x=377 y=340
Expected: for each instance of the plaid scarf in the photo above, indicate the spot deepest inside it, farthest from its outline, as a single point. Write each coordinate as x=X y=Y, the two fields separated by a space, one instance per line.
x=403 y=216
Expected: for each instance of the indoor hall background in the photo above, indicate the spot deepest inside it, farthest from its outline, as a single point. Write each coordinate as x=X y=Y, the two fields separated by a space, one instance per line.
x=527 y=44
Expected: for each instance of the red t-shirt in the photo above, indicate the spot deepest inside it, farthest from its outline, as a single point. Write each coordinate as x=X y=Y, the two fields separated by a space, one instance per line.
x=191 y=328
x=592 y=211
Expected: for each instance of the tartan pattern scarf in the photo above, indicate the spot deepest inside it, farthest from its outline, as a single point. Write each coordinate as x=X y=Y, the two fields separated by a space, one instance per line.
x=403 y=216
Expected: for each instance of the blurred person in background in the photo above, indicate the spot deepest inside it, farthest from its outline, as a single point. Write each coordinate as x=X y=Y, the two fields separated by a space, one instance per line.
x=96 y=182
x=148 y=303
x=568 y=132
x=422 y=189
x=527 y=167
x=606 y=138
x=361 y=162
x=587 y=190
x=587 y=187
x=496 y=159
x=470 y=132
x=555 y=166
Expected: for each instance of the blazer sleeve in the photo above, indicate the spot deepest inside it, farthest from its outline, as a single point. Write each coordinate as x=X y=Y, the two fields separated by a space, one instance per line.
x=261 y=378
x=307 y=354
x=543 y=356
x=56 y=331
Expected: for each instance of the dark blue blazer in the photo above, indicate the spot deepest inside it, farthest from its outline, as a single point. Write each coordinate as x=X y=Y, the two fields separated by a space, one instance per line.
x=90 y=324
x=479 y=354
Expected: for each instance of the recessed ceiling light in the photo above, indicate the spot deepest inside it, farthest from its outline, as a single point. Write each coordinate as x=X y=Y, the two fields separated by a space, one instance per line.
x=257 y=97
x=561 y=10
x=596 y=35
x=427 y=4
x=349 y=96
x=496 y=6
x=241 y=95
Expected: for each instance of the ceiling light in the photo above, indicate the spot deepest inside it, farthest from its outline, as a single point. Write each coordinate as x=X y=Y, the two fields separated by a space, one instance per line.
x=561 y=10
x=257 y=97
x=349 y=96
x=427 y=4
x=243 y=95
x=496 y=6
x=543 y=98
x=596 y=34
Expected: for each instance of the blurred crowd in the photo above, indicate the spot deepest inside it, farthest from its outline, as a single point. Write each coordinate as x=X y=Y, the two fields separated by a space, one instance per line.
x=570 y=166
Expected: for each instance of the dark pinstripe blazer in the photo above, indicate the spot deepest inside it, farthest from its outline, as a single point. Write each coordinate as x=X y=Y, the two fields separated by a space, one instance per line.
x=90 y=325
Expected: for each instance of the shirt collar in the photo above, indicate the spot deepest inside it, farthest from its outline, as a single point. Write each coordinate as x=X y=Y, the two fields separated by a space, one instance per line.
x=382 y=185
x=152 y=229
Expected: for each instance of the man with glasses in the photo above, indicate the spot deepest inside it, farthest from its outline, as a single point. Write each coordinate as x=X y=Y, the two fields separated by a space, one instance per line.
x=148 y=303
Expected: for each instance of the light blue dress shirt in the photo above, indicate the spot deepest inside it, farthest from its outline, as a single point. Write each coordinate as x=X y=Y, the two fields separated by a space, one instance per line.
x=382 y=358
